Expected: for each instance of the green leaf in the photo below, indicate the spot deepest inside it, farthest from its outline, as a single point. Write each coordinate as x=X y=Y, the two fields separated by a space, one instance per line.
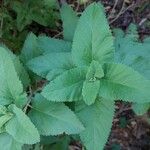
x=97 y=119
x=22 y=73
x=3 y=110
x=94 y=71
x=11 y=88
x=21 y=128
x=62 y=144
x=93 y=39
x=90 y=91
x=30 y=48
x=5 y=118
x=49 y=45
x=8 y=143
x=131 y=51
x=40 y=11
x=54 y=73
x=122 y=82
x=69 y=19
x=23 y=18
x=66 y=87
x=53 y=118
x=134 y=53
x=45 y=64
x=140 y=109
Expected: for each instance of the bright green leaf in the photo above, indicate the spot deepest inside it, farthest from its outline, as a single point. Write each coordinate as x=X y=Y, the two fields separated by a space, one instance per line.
x=45 y=64
x=49 y=45
x=66 y=87
x=5 y=118
x=11 y=88
x=30 y=48
x=8 y=143
x=97 y=120
x=69 y=19
x=22 y=73
x=94 y=71
x=123 y=83
x=131 y=51
x=21 y=128
x=90 y=91
x=93 y=39
x=53 y=118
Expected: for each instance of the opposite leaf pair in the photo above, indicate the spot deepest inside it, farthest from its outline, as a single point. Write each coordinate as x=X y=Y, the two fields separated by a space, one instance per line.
x=89 y=73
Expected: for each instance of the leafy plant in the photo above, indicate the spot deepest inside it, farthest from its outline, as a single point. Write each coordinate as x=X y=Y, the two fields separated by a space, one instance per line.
x=17 y=17
x=40 y=11
x=83 y=82
x=134 y=53
x=85 y=74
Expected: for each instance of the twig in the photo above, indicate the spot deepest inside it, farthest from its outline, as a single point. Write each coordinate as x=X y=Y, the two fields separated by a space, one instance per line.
x=29 y=100
x=57 y=35
x=112 y=11
x=121 y=12
x=142 y=21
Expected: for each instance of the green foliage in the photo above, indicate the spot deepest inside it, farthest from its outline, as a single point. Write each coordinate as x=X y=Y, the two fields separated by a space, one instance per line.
x=84 y=79
x=70 y=20
x=66 y=87
x=53 y=118
x=14 y=124
x=92 y=42
x=134 y=53
x=8 y=143
x=11 y=89
x=21 y=128
x=48 y=45
x=18 y=16
x=97 y=119
x=85 y=70
x=38 y=11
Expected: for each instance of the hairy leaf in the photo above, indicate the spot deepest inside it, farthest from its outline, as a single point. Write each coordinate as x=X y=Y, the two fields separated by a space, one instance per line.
x=97 y=120
x=30 y=48
x=93 y=39
x=122 y=82
x=95 y=71
x=45 y=64
x=90 y=91
x=132 y=52
x=21 y=72
x=8 y=143
x=21 y=128
x=5 y=118
x=48 y=45
x=53 y=118
x=11 y=88
x=66 y=87
x=69 y=19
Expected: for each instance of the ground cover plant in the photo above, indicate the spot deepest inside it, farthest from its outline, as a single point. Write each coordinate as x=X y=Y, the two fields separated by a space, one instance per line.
x=82 y=76
x=17 y=18
x=134 y=53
